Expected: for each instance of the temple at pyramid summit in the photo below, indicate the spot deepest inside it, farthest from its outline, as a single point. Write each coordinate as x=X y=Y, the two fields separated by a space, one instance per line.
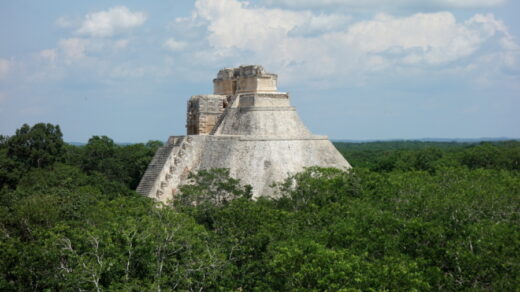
x=246 y=126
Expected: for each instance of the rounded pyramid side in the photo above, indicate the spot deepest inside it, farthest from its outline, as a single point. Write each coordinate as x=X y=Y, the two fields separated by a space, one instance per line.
x=260 y=162
x=263 y=115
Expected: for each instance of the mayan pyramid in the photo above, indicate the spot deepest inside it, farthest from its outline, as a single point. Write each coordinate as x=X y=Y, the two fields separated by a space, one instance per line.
x=246 y=126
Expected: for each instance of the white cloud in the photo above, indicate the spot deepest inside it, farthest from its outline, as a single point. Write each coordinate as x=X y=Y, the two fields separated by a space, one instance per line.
x=431 y=38
x=5 y=66
x=383 y=4
x=89 y=49
x=175 y=45
x=49 y=55
x=125 y=71
x=112 y=21
x=73 y=48
x=67 y=22
x=121 y=44
x=233 y=25
x=303 y=43
x=315 y=24
x=466 y=3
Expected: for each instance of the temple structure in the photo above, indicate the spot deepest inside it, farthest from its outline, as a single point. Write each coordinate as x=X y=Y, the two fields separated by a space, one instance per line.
x=246 y=126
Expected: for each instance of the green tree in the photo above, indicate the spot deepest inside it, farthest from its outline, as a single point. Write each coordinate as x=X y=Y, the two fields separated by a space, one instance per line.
x=10 y=170
x=133 y=160
x=484 y=155
x=100 y=156
x=125 y=164
x=318 y=186
x=304 y=265
x=208 y=191
x=37 y=146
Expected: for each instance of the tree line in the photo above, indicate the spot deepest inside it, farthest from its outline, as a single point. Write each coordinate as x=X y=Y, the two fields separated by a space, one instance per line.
x=408 y=216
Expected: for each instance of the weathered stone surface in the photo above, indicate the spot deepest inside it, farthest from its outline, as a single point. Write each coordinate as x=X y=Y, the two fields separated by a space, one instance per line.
x=250 y=78
x=247 y=127
x=203 y=113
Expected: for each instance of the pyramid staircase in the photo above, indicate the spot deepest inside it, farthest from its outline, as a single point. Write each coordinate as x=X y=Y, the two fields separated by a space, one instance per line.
x=169 y=167
x=156 y=166
x=177 y=169
x=224 y=114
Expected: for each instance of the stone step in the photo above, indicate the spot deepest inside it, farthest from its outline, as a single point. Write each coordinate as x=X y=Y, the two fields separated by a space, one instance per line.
x=223 y=115
x=154 y=169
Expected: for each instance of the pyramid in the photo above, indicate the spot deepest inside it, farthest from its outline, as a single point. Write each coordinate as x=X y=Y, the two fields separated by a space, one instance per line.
x=246 y=126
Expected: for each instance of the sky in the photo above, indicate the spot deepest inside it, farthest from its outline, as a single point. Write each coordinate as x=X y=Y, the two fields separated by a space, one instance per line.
x=373 y=69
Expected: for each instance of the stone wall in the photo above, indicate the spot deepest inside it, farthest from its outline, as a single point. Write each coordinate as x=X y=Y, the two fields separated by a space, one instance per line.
x=203 y=113
x=244 y=79
x=258 y=161
x=275 y=99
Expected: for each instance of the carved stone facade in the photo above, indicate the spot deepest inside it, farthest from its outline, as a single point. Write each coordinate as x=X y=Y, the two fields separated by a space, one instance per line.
x=246 y=126
x=252 y=78
x=204 y=112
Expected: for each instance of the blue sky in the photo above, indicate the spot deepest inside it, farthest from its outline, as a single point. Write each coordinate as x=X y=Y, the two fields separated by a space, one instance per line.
x=355 y=69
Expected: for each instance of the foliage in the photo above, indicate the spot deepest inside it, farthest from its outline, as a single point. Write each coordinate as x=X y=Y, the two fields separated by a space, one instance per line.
x=318 y=187
x=208 y=191
x=10 y=170
x=409 y=216
x=125 y=164
x=37 y=146
x=429 y=156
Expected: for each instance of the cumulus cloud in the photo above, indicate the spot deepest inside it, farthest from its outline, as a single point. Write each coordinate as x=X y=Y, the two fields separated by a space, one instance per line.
x=299 y=42
x=431 y=38
x=126 y=71
x=175 y=45
x=93 y=40
x=73 y=48
x=121 y=44
x=67 y=22
x=445 y=4
x=466 y=3
x=49 y=55
x=109 y=22
x=4 y=68
x=316 y=24
x=232 y=24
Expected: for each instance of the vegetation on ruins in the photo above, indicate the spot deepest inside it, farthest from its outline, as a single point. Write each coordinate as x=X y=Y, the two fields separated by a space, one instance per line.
x=409 y=216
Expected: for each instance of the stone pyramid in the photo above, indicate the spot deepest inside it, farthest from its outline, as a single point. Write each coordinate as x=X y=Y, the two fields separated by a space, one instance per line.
x=246 y=126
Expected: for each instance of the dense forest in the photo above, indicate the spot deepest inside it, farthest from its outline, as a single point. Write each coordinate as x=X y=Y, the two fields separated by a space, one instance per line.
x=409 y=216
